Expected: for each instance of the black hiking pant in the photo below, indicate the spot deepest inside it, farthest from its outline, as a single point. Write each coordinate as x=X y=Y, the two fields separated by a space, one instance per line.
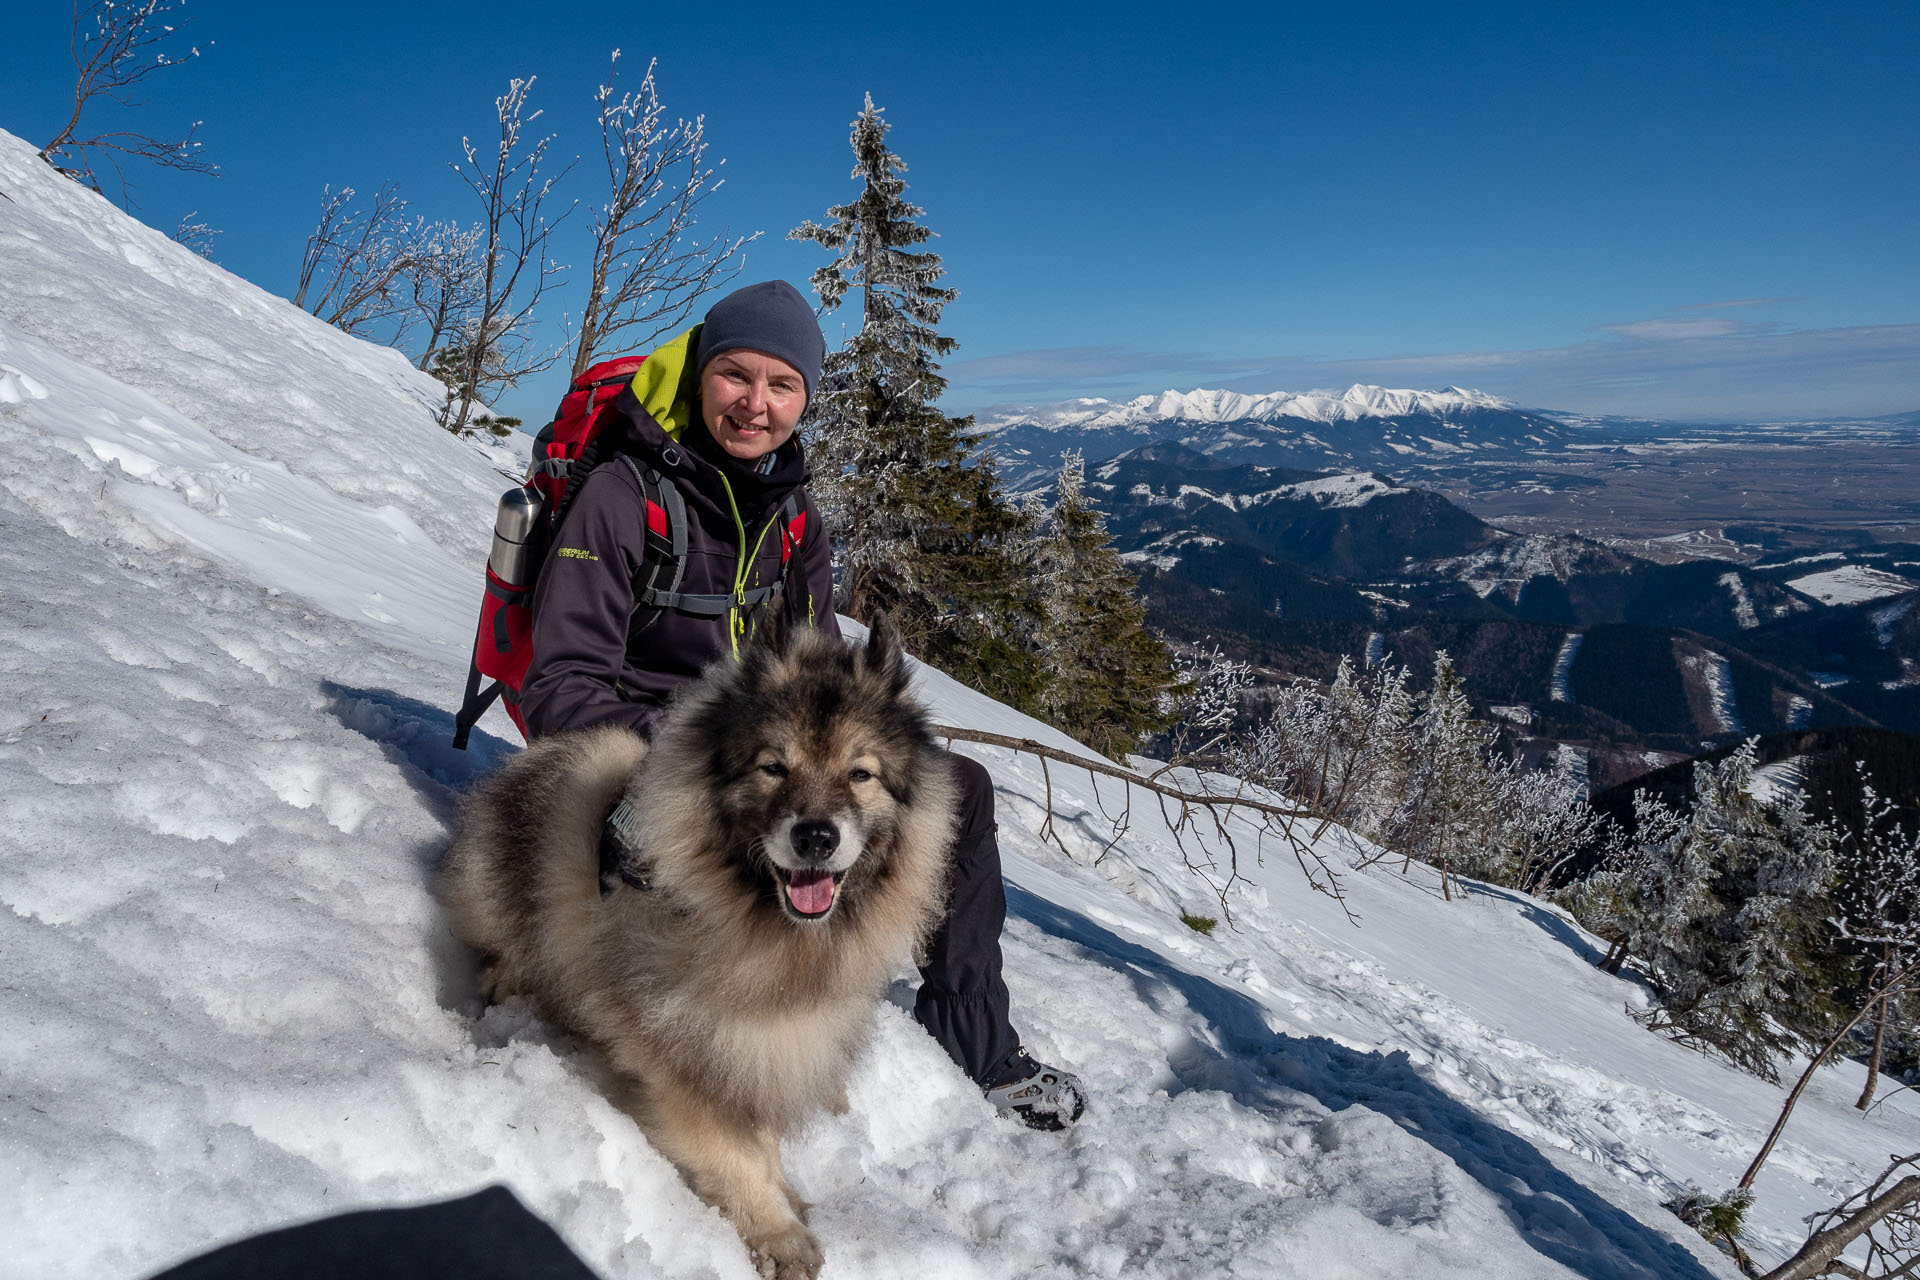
x=486 y=1236
x=963 y=999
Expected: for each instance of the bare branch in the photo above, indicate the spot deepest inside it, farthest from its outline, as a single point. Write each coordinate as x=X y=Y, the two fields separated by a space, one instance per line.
x=361 y=262
x=647 y=269
x=496 y=349
x=197 y=236
x=445 y=285
x=1275 y=819
x=1891 y=1253
x=116 y=45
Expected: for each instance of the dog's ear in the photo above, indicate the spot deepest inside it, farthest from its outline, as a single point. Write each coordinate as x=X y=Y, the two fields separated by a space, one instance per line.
x=884 y=658
x=772 y=632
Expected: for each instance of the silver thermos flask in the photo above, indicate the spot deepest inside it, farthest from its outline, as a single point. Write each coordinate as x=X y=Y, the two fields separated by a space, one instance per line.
x=521 y=511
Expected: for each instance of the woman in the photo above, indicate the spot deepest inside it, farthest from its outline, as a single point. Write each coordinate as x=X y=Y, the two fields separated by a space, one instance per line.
x=713 y=412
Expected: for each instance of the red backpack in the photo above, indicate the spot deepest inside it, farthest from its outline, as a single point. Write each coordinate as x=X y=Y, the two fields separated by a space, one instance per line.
x=563 y=453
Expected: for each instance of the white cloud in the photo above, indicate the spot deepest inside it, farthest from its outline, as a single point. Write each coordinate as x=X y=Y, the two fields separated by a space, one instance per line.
x=1705 y=327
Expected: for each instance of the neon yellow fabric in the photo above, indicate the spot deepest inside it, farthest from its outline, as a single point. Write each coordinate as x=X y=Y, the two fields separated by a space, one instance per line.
x=736 y=621
x=668 y=386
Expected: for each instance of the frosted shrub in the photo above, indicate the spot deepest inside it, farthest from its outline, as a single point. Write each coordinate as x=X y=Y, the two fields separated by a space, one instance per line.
x=1728 y=916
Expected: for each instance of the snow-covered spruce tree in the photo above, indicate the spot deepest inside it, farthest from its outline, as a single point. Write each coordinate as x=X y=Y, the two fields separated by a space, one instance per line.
x=1731 y=921
x=924 y=529
x=1605 y=900
x=1455 y=788
x=1107 y=675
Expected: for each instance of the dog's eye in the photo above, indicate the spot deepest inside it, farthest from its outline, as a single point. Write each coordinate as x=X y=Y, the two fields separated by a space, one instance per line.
x=860 y=775
x=774 y=769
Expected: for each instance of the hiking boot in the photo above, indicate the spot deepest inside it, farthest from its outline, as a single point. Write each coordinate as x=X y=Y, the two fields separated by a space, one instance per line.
x=1037 y=1095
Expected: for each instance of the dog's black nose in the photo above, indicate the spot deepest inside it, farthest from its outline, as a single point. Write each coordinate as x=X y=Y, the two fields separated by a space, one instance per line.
x=815 y=841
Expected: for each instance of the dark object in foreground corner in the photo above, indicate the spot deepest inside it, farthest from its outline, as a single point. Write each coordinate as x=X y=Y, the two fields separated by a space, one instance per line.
x=489 y=1235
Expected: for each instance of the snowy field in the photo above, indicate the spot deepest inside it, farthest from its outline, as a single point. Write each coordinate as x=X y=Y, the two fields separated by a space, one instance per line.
x=240 y=572
x=1851 y=584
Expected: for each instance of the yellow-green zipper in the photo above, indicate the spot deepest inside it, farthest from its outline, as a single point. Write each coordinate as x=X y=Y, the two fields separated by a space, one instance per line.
x=736 y=622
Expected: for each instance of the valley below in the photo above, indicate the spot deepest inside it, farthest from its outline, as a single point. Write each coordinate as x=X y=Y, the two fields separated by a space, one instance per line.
x=1629 y=592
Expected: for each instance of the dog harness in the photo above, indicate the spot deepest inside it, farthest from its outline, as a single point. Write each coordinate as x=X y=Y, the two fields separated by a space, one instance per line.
x=620 y=851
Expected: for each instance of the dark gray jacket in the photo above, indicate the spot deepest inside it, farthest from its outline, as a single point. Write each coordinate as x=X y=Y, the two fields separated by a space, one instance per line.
x=589 y=666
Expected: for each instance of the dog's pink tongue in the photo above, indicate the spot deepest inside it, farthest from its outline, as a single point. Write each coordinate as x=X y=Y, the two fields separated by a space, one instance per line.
x=811 y=892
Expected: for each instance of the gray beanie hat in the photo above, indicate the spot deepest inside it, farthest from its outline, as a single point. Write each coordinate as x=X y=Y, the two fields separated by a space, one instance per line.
x=770 y=317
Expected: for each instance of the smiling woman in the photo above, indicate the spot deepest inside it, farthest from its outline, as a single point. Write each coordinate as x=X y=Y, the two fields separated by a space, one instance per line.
x=751 y=402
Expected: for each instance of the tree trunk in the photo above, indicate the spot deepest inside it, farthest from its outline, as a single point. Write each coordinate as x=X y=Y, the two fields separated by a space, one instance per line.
x=1817 y=1255
x=1873 y=1059
x=1615 y=957
x=1898 y=982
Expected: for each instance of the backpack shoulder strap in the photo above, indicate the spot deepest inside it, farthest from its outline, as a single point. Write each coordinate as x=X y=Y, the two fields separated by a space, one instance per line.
x=663 y=562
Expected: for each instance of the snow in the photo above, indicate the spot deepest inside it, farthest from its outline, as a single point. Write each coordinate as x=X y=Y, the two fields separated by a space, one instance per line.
x=1561 y=689
x=1717 y=675
x=1578 y=764
x=1886 y=618
x=1851 y=584
x=1777 y=783
x=1352 y=489
x=230 y=1002
x=1799 y=711
x=1204 y=406
x=1743 y=613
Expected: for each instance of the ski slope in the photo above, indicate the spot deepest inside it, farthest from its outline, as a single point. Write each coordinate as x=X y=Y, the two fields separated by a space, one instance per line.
x=238 y=569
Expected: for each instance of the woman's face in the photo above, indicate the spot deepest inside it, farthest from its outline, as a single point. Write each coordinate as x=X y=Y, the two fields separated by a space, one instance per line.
x=751 y=402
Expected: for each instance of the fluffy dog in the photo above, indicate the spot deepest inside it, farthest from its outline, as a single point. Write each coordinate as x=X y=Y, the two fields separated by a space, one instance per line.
x=795 y=817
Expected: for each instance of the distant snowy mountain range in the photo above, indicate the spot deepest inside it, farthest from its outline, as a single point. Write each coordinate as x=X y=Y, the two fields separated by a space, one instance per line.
x=1362 y=426
x=1448 y=434
x=1356 y=402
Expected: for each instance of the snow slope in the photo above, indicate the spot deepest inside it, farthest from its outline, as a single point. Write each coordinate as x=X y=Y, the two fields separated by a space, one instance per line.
x=235 y=627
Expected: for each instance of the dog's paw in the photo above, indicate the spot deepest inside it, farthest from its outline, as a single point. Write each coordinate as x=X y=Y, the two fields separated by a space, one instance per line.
x=497 y=984
x=791 y=1254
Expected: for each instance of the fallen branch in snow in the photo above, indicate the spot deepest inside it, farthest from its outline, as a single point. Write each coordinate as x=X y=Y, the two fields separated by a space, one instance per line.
x=1275 y=819
x=1892 y=986
x=1895 y=1252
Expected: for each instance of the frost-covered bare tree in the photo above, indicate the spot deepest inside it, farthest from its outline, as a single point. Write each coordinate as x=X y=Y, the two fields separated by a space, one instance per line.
x=197 y=236
x=116 y=45
x=1877 y=913
x=1342 y=752
x=509 y=178
x=467 y=349
x=648 y=267
x=355 y=271
x=444 y=287
x=1205 y=702
x=1547 y=823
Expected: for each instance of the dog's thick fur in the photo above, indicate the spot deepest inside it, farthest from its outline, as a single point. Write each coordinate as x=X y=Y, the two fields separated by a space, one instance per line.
x=728 y=1005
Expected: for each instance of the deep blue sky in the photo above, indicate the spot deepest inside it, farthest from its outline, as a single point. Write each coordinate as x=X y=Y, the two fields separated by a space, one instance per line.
x=1678 y=209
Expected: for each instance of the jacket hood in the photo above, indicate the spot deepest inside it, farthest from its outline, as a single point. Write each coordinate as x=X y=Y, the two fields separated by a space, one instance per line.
x=668 y=385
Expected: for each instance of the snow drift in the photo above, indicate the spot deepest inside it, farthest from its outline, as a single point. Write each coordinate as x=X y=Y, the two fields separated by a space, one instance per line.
x=240 y=568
